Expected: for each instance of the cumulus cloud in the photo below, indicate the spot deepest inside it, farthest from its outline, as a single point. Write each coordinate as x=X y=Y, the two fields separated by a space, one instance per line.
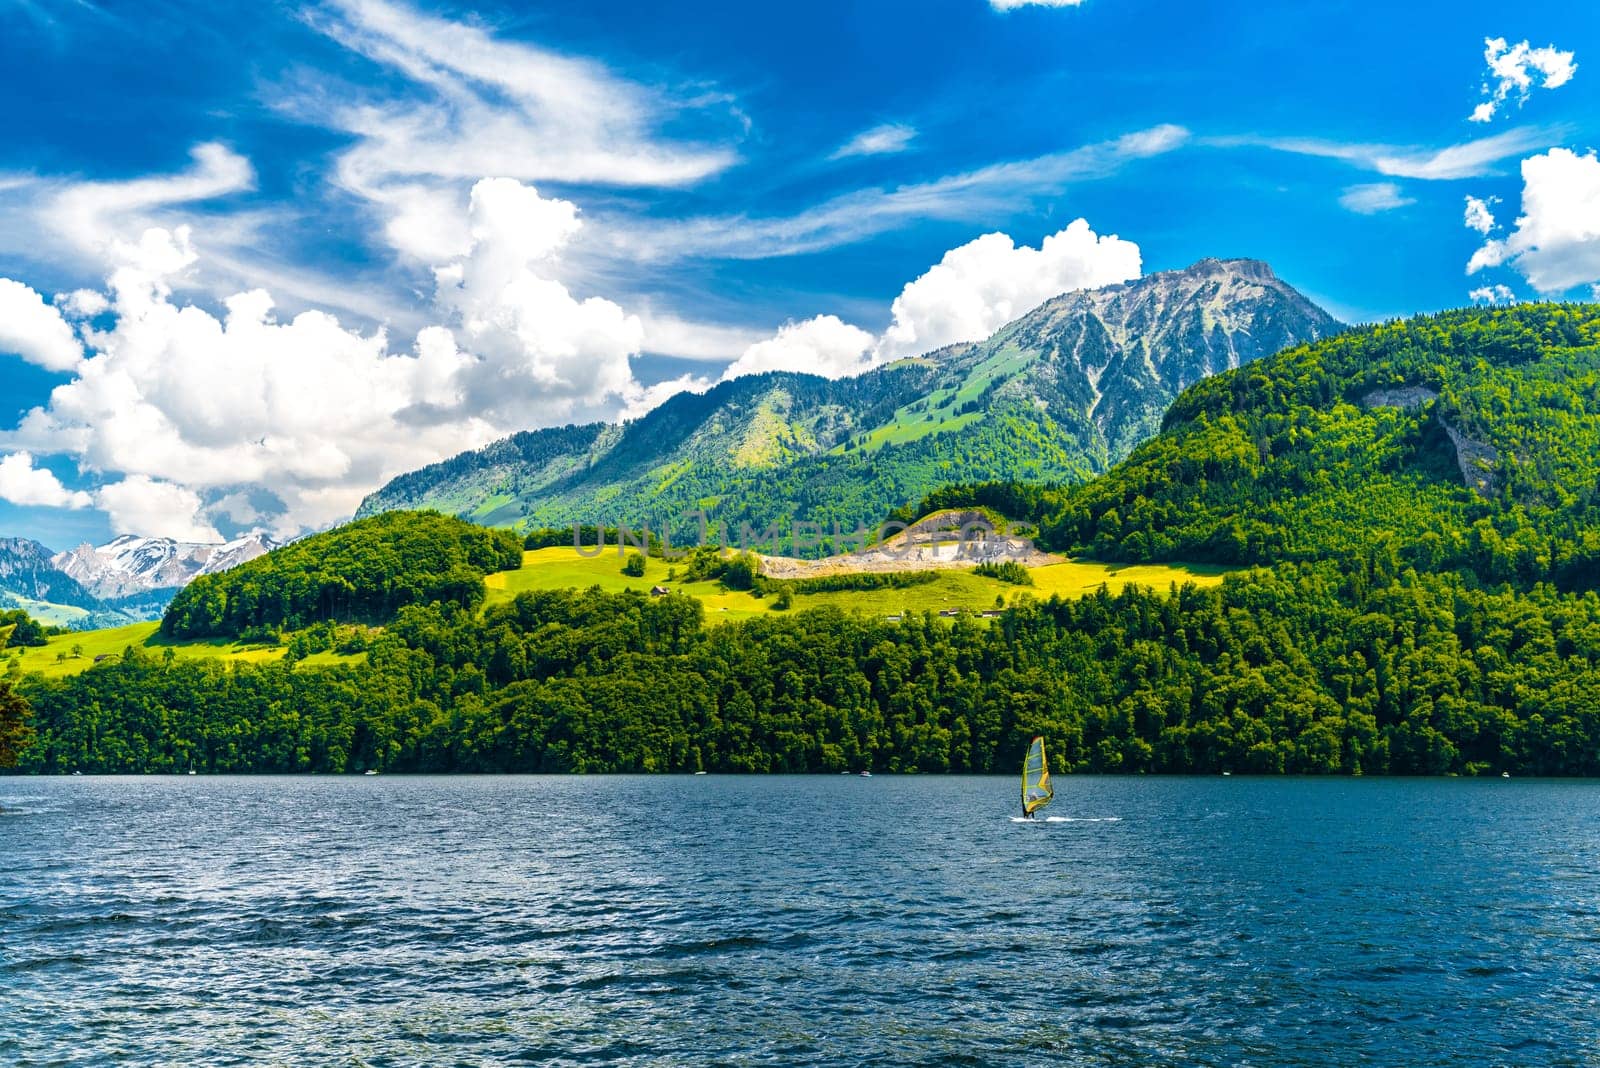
x=969 y=294
x=644 y=399
x=982 y=285
x=824 y=345
x=191 y=408
x=1492 y=295
x=1373 y=198
x=540 y=354
x=879 y=141
x=1556 y=242
x=22 y=483
x=1513 y=71
x=1479 y=215
x=34 y=330
x=145 y=506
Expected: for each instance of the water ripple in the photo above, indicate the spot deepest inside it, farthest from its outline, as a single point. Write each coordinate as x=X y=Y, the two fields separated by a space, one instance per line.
x=567 y=921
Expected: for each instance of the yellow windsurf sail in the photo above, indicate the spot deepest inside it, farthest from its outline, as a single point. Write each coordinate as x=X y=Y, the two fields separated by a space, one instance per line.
x=1036 y=792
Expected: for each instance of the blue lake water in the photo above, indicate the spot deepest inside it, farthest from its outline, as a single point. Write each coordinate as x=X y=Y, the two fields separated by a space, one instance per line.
x=711 y=920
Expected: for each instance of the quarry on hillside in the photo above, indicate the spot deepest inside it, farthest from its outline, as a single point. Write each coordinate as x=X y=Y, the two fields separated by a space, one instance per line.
x=953 y=539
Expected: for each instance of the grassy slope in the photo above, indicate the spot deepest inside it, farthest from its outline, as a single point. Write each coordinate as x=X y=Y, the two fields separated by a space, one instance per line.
x=112 y=642
x=57 y=615
x=563 y=568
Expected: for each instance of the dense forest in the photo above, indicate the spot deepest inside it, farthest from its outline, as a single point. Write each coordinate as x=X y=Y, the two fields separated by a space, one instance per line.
x=1463 y=441
x=1308 y=668
x=361 y=572
x=16 y=732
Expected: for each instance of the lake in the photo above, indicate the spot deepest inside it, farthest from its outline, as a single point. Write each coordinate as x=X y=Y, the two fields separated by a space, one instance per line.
x=824 y=920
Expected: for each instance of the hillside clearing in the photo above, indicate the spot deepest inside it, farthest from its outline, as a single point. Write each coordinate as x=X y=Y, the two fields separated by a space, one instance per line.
x=145 y=637
x=562 y=568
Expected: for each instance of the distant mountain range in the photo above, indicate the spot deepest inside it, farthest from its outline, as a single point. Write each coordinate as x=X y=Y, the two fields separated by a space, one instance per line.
x=131 y=565
x=1058 y=395
x=126 y=580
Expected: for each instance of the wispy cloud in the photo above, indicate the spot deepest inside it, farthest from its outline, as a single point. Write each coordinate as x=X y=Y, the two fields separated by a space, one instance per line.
x=669 y=335
x=843 y=220
x=1469 y=159
x=882 y=140
x=1012 y=5
x=478 y=105
x=1372 y=198
x=91 y=214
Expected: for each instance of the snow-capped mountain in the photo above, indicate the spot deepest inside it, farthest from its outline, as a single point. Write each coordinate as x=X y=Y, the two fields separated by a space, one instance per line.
x=131 y=565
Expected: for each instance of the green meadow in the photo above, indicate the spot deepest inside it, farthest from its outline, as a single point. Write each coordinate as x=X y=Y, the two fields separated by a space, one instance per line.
x=563 y=568
x=68 y=654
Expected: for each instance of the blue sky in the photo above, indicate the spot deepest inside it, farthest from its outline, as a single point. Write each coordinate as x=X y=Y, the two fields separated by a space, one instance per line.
x=449 y=222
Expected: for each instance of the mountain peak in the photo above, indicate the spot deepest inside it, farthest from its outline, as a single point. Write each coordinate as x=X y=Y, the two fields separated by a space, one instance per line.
x=130 y=564
x=1057 y=394
x=1255 y=270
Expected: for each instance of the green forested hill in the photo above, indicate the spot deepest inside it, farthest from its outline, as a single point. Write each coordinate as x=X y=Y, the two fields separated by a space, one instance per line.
x=1055 y=396
x=1305 y=669
x=1469 y=439
x=364 y=571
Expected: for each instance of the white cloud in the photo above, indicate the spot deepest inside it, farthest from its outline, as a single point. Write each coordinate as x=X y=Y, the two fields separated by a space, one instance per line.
x=982 y=285
x=969 y=294
x=974 y=195
x=35 y=330
x=1512 y=72
x=1470 y=159
x=93 y=215
x=1556 y=243
x=1478 y=215
x=237 y=507
x=1012 y=5
x=1492 y=295
x=541 y=354
x=22 y=483
x=882 y=140
x=1373 y=198
x=190 y=410
x=669 y=335
x=644 y=399
x=824 y=345
x=487 y=107
x=144 y=506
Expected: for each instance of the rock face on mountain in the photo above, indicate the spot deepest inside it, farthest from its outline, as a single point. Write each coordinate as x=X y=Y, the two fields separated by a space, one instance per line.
x=28 y=570
x=1057 y=395
x=130 y=566
x=1138 y=345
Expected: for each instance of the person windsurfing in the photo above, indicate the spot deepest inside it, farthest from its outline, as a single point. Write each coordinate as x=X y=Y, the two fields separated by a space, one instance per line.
x=1036 y=791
